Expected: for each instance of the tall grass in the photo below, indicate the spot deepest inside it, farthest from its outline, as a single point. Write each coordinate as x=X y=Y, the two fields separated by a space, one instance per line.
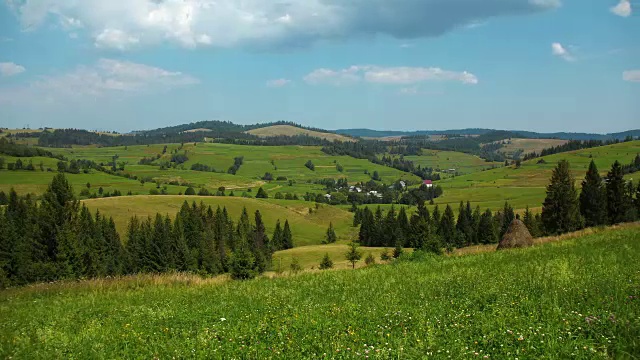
x=577 y=298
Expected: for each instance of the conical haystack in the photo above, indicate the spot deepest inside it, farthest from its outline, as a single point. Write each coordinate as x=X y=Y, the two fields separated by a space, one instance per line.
x=517 y=236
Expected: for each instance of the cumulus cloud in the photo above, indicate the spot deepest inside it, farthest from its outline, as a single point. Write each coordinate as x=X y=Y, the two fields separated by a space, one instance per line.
x=622 y=9
x=631 y=75
x=106 y=76
x=560 y=51
x=11 y=69
x=122 y=24
x=387 y=75
x=278 y=83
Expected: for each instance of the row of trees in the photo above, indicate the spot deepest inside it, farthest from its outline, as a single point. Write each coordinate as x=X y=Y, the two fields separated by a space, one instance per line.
x=56 y=238
x=602 y=202
x=607 y=201
x=432 y=231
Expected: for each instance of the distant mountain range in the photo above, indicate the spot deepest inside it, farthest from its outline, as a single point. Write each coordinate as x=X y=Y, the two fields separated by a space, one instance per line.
x=526 y=134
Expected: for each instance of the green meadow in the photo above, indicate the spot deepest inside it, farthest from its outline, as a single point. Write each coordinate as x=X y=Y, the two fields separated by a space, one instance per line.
x=577 y=298
x=308 y=228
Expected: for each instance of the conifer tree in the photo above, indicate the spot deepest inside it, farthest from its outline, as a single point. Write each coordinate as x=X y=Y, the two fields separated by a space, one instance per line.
x=593 y=198
x=486 y=229
x=260 y=246
x=326 y=262
x=561 y=209
x=242 y=262
x=616 y=199
x=287 y=237
x=436 y=219
x=276 y=239
x=330 y=236
x=448 y=229
x=508 y=215
x=353 y=255
x=261 y=194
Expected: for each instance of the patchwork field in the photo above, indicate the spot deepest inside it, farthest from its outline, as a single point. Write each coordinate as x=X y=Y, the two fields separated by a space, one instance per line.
x=287 y=130
x=529 y=145
x=442 y=161
x=577 y=298
x=527 y=185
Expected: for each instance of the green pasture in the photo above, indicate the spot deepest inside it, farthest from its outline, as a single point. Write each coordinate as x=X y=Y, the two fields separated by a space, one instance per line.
x=307 y=228
x=577 y=298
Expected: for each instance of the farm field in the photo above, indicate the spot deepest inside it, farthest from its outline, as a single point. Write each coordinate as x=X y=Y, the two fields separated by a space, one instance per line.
x=442 y=161
x=307 y=229
x=287 y=130
x=575 y=298
x=529 y=145
x=527 y=185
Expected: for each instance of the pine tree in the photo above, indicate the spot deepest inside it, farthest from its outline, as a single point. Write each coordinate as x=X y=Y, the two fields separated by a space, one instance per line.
x=261 y=194
x=436 y=219
x=260 y=246
x=486 y=229
x=330 y=236
x=326 y=262
x=287 y=237
x=447 y=229
x=560 y=210
x=242 y=265
x=593 y=198
x=58 y=205
x=402 y=225
x=508 y=215
x=616 y=199
x=276 y=239
x=353 y=255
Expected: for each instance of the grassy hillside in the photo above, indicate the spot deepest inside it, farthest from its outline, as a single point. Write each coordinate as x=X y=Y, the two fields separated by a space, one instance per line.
x=526 y=185
x=573 y=299
x=307 y=229
x=288 y=130
x=445 y=160
x=530 y=145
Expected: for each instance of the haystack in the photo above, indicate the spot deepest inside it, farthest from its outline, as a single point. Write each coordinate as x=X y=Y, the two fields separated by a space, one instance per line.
x=517 y=236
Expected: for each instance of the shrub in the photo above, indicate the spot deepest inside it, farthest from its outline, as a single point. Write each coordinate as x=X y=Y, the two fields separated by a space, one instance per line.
x=190 y=191
x=326 y=262
x=370 y=260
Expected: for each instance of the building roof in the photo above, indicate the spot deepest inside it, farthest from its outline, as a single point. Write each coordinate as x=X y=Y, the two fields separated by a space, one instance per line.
x=427 y=182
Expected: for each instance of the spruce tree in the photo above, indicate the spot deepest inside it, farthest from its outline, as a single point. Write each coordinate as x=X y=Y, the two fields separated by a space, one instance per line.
x=330 y=236
x=326 y=262
x=561 y=209
x=447 y=229
x=261 y=194
x=353 y=255
x=260 y=246
x=276 y=239
x=287 y=237
x=486 y=229
x=616 y=199
x=593 y=198
x=242 y=265
x=508 y=215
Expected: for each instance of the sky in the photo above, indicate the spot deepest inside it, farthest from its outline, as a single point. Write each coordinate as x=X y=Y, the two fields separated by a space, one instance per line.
x=539 y=65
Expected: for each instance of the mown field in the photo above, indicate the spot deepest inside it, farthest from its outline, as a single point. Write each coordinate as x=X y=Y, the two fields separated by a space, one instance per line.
x=307 y=228
x=577 y=298
x=529 y=145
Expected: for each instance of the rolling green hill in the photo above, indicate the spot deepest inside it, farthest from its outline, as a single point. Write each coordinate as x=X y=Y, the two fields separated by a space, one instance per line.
x=288 y=130
x=576 y=298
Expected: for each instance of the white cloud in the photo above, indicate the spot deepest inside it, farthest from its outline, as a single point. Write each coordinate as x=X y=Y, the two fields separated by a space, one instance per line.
x=277 y=83
x=387 y=75
x=11 y=69
x=116 y=39
x=105 y=77
x=622 y=9
x=122 y=24
x=558 y=50
x=631 y=75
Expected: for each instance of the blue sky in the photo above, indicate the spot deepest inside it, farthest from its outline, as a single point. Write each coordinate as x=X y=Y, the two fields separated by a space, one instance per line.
x=541 y=65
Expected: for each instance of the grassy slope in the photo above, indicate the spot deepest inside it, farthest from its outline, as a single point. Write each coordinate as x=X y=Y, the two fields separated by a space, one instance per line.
x=577 y=298
x=287 y=130
x=526 y=186
x=530 y=145
x=444 y=160
x=307 y=229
